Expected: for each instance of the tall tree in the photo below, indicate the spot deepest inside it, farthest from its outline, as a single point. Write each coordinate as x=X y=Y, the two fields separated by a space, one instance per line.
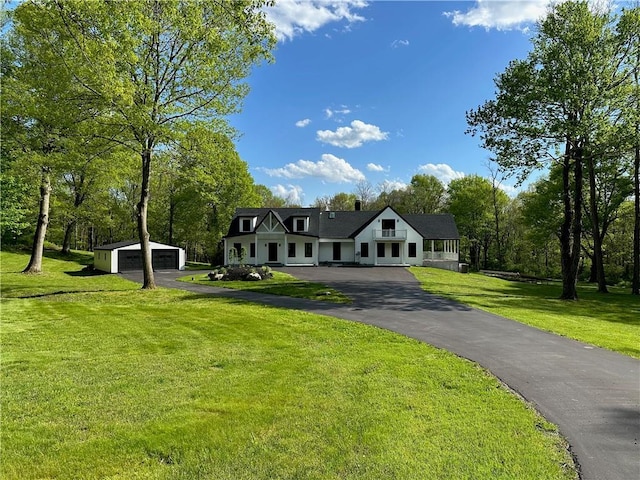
x=547 y=109
x=470 y=201
x=629 y=29
x=425 y=194
x=159 y=65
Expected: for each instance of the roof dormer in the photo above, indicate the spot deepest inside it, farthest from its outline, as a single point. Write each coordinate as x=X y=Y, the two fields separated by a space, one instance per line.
x=300 y=224
x=247 y=224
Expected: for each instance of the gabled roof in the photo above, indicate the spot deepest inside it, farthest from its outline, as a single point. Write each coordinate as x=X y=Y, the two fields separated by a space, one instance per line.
x=345 y=224
x=286 y=216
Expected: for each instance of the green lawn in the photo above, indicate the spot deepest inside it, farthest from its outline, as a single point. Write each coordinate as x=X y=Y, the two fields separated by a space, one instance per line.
x=610 y=321
x=103 y=380
x=280 y=284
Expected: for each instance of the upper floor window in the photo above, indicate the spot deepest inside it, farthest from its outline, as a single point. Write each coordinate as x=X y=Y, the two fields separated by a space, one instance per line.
x=246 y=224
x=301 y=224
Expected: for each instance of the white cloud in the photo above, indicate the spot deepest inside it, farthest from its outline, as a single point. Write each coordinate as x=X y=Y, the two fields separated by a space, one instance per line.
x=372 y=167
x=303 y=123
x=295 y=17
x=501 y=15
x=441 y=171
x=353 y=136
x=329 y=169
x=399 y=43
x=291 y=193
x=390 y=185
x=329 y=113
x=509 y=190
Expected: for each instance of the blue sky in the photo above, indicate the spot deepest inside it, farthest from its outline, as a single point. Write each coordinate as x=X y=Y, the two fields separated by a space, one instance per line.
x=376 y=91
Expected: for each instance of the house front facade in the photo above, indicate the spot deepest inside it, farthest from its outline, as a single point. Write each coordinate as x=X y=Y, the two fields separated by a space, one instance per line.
x=311 y=236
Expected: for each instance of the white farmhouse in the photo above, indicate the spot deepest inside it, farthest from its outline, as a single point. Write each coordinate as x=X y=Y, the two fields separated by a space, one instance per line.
x=311 y=236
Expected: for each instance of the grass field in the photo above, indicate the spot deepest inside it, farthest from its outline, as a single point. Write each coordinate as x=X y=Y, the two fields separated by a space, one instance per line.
x=103 y=380
x=610 y=320
x=281 y=284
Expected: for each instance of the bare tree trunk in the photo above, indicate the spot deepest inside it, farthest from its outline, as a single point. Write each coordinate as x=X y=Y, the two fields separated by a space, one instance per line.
x=571 y=227
x=35 y=262
x=66 y=242
x=635 y=283
x=595 y=226
x=143 y=233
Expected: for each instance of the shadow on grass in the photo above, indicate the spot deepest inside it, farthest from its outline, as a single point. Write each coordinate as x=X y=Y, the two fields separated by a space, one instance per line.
x=614 y=307
x=86 y=273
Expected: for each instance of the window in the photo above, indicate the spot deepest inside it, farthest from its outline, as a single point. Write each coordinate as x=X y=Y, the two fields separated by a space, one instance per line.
x=238 y=248
x=395 y=249
x=308 y=249
x=389 y=224
x=246 y=225
x=292 y=249
x=252 y=250
x=300 y=225
x=381 y=250
x=364 y=249
x=413 y=250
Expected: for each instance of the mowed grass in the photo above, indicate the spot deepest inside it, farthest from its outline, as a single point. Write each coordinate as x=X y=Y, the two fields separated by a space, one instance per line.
x=110 y=381
x=281 y=284
x=611 y=321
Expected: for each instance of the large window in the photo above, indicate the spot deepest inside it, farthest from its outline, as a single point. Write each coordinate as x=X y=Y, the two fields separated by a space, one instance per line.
x=308 y=249
x=292 y=249
x=395 y=249
x=413 y=252
x=252 y=250
x=381 y=250
x=364 y=249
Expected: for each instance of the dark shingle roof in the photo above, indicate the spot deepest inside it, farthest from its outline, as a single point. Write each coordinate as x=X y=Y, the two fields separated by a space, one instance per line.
x=285 y=215
x=434 y=226
x=345 y=224
x=114 y=246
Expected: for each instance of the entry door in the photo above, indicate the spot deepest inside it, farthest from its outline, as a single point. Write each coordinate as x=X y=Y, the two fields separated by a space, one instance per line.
x=273 y=252
x=337 y=249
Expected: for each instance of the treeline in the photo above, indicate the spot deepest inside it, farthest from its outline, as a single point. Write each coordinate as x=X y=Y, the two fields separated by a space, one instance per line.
x=518 y=234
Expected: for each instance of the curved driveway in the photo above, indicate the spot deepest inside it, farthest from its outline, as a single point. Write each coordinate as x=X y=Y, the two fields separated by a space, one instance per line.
x=592 y=394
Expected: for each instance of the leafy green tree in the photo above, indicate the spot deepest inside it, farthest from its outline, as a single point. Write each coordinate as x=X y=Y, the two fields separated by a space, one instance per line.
x=267 y=198
x=549 y=107
x=470 y=201
x=425 y=194
x=160 y=66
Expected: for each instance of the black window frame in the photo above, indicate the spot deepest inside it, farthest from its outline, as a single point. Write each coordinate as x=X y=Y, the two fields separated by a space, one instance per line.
x=381 y=250
x=395 y=250
x=413 y=250
x=308 y=250
x=291 y=250
x=364 y=250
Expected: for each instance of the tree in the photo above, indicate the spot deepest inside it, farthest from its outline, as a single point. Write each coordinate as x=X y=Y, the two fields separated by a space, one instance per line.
x=548 y=108
x=160 y=66
x=41 y=119
x=629 y=29
x=267 y=198
x=469 y=200
x=425 y=194
x=365 y=192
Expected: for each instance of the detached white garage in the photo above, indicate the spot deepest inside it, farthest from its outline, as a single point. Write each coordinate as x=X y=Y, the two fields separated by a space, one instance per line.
x=127 y=255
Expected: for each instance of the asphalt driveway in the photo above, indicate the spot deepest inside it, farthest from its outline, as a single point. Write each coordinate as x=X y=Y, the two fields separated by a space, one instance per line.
x=592 y=394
